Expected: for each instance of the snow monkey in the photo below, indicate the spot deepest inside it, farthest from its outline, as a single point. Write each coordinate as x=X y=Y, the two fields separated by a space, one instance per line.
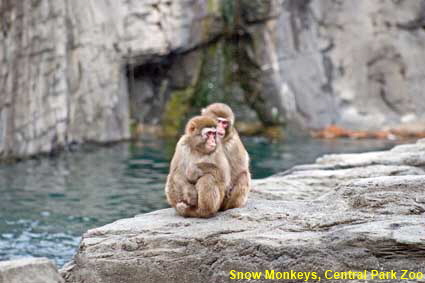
x=199 y=171
x=237 y=194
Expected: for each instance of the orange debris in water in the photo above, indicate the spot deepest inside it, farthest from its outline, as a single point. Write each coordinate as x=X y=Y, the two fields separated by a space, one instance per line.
x=401 y=132
x=334 y=131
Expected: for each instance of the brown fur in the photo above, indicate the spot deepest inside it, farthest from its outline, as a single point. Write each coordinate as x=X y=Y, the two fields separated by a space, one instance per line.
x=198 y=179
x=237 y=156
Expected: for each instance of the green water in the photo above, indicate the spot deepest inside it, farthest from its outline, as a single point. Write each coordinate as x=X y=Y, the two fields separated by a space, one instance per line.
x=47 y=203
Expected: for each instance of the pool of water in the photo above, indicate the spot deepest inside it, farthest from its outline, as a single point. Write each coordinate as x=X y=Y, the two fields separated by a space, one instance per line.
x=47 y=203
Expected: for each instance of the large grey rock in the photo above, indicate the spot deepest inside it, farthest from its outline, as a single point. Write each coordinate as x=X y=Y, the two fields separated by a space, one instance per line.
x=313 y=218
x=352 y=62
x=29 y=270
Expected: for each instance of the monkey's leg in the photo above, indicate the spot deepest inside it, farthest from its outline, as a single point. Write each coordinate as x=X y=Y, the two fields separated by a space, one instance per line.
x=237 y=195
x=172 y=192
x=188 y=201
x=210 y=196
x=190 y=195
x=178 y=190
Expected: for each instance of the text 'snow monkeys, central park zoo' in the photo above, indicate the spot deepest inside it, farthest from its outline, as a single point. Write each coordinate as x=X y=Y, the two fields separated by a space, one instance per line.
x=236 y=154
x=199 y=171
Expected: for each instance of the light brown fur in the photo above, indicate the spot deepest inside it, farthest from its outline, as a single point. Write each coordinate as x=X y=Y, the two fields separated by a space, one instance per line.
x=198 y=179
x=237 y=156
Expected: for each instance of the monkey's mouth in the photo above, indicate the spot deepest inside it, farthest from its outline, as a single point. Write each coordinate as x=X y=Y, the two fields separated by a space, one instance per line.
x=210 y=145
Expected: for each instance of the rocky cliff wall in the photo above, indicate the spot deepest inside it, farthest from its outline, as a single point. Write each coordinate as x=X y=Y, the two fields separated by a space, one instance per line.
x=63 y=71
x=76 y=71
x=353 y=63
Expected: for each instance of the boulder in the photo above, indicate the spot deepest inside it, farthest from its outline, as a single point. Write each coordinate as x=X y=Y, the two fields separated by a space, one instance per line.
x=346 y=213
x=29 y=270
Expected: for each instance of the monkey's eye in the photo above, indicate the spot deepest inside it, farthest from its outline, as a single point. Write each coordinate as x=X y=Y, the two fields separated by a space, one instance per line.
x=223 y=122
x=207 y=132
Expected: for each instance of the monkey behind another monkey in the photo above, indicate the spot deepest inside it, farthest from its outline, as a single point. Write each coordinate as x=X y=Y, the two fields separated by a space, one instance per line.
x=237 y=193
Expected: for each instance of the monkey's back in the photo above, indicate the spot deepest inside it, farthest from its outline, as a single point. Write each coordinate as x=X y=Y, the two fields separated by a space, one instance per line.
x=237 y=155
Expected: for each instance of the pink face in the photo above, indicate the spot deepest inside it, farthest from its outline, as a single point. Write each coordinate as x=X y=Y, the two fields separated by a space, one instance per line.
x=209 y=134
x=222 y=125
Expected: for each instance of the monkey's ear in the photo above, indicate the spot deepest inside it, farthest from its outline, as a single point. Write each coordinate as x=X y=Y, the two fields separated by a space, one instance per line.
x=190 y=128
x=203 y=111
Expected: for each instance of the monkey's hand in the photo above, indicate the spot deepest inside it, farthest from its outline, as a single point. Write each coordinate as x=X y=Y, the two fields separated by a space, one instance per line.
x=193 y=173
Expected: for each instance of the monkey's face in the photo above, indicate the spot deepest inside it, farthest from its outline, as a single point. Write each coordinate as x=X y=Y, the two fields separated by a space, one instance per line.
x=223 y=115
x=209 y=136
x=222 y=126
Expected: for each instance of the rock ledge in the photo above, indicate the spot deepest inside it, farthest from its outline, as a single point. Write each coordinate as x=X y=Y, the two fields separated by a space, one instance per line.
x=346 y=212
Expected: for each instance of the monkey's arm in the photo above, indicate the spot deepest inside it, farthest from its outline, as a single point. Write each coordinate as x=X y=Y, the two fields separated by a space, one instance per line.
x=212 y=169
x=179 y=189
x=193 y=173
x=177 y=183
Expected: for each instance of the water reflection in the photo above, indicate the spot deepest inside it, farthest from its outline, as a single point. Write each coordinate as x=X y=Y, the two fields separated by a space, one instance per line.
x=48 y=203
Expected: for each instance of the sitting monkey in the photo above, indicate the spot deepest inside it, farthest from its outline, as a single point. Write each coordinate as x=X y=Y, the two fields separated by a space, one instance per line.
x=236 y=154
x=199 y=171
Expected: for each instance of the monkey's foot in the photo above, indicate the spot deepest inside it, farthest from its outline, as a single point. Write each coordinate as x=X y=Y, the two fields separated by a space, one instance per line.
x=182 y=208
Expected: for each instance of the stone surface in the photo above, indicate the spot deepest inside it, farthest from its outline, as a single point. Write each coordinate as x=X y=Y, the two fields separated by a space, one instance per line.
x=346 y=212
x=29 y=270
